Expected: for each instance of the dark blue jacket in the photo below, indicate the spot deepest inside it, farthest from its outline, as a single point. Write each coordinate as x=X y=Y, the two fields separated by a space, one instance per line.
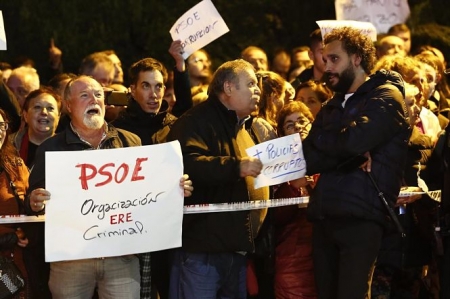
x=207 y=134
x=374 y=120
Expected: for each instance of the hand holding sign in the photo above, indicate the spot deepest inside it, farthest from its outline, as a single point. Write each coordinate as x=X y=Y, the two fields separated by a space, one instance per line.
x=198 y=27
x=112 y=202
x=250 y=166
x=282 y=160
x=38 y=197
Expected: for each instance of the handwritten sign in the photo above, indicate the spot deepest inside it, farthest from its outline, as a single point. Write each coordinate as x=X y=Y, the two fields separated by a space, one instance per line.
x=382 y=13
x=282 y=160
x=2 y=33
x=198 y=27
x=366 y=28
x=113 y=202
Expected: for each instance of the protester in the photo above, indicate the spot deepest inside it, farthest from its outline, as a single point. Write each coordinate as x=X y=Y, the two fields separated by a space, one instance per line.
x=117 y=277
x=5 y=71
x=316 y=71
x=257 y=57
x=300 y=61
x=41 y=112
x=58 y=84
x=100 y=67
x=401 y=259
x=13 y=186
x=144 y=118
x=281 y=63
x=390 y=45
x=272 y=96
x=10 y=105
x=314 y=95
x=360 y=135
x=118 y=70
x=294 y=276
x=213 y=140
x=22 y=81
x=402 y=31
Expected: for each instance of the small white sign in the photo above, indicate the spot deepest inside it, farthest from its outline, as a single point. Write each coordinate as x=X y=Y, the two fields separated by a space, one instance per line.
x=366 y=28
x=198 y=27
x=2 y=33
x=113 y=202
x=381 y=13
x=282 y=160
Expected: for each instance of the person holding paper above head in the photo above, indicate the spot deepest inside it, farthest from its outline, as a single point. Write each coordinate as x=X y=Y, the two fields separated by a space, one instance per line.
x=214 y=136
x=114 y=277
x=358 y=143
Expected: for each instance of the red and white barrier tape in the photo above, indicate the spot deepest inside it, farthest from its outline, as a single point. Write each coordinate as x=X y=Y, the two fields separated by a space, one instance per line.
x=223 y=207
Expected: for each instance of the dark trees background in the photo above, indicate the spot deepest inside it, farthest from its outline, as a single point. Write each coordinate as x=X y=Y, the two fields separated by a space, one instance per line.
x=140 y=28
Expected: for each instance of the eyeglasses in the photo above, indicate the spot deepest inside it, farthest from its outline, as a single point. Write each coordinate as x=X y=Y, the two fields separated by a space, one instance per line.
x=3 y=126
x=304 y=124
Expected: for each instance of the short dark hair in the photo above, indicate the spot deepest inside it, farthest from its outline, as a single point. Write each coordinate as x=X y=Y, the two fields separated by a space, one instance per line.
x=315 y=38
x=354 y=42
x=398 y=28
x=146 y=65
x=55 y=81
x=228 y=71
x=91 y=62
x=38 y=92
x=288 y=109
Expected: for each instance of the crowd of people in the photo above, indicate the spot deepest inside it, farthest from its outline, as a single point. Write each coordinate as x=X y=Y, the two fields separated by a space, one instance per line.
x=373 y=120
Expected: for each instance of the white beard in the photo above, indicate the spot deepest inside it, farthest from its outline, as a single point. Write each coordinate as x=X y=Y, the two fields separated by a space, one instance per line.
x=93 y=121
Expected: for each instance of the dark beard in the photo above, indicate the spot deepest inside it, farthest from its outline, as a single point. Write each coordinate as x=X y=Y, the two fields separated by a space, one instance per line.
x=346 y=79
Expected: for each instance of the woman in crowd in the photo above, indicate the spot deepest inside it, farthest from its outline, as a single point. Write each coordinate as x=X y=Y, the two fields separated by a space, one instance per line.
x=13 y=185
x=294 y=277
x=313 y=94
x=41 y=112
x=273 y=91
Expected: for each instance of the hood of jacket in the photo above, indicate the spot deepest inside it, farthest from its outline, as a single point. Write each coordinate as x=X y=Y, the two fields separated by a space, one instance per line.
x=383 y=77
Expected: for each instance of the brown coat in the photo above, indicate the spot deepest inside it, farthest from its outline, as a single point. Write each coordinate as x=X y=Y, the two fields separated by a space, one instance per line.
x=9 y=206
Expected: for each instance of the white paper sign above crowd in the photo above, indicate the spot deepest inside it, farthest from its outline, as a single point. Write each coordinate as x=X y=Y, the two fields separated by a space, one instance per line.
x=282 y=160
x=113 y=202
x=381 y=13
x=2 y=33
x=326 y=26
x=198 y=27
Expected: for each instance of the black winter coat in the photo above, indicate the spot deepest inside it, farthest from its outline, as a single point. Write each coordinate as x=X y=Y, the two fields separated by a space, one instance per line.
x=374 y=120
x=151 y=128
x=207 y=134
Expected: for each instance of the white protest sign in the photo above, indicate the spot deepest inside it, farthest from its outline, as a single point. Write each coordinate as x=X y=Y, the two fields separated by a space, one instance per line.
x=2 y=33
x=282 y=160
x=113 y=202
x=326 y=26
x=382 y=13
x=198 y=27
